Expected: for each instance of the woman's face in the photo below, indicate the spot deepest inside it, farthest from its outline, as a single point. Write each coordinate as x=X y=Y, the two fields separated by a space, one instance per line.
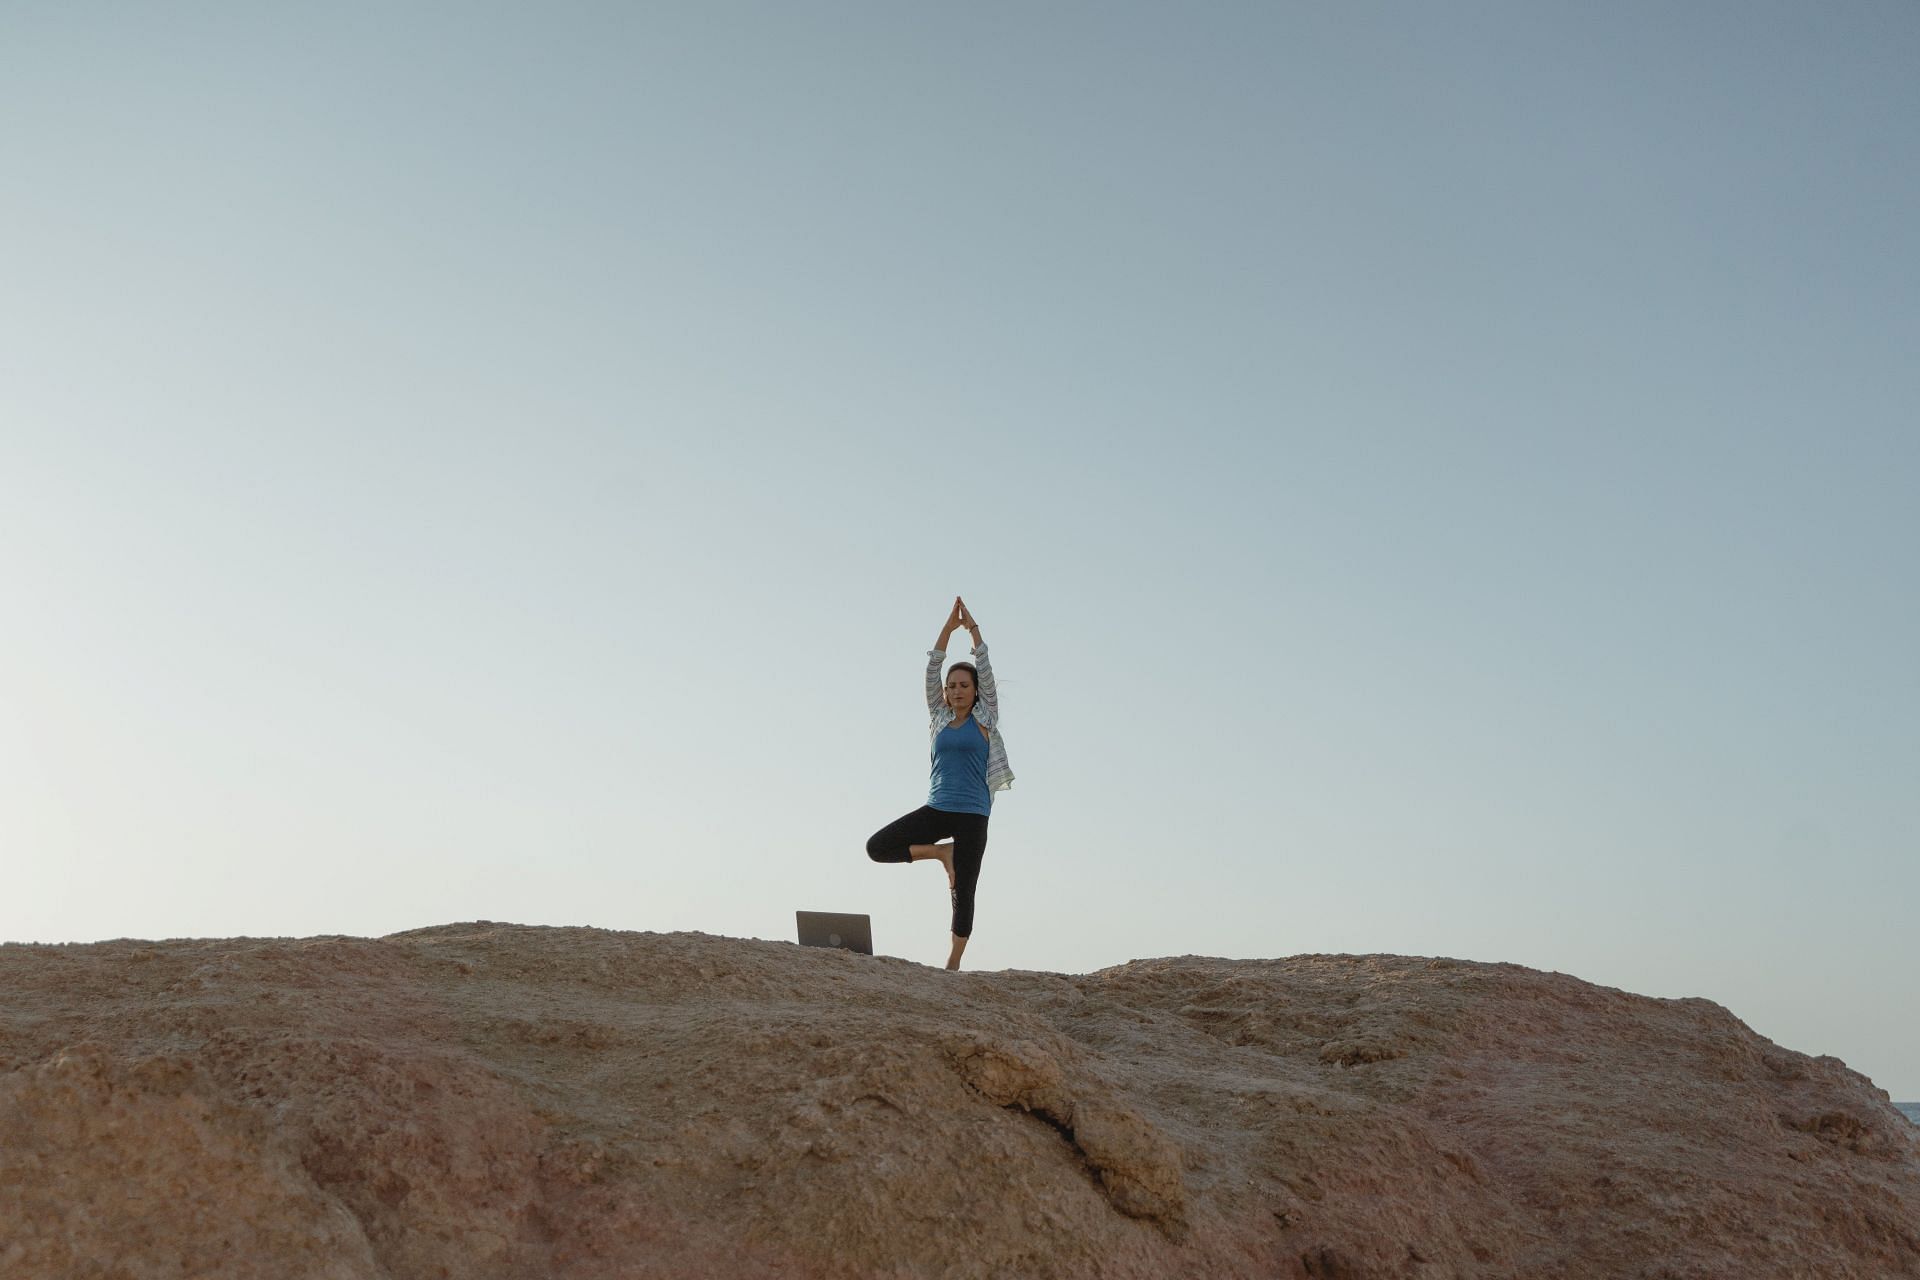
x=960 y=692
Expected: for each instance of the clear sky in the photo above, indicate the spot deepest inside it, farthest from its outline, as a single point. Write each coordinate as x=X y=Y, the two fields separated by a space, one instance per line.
x=1435 y=479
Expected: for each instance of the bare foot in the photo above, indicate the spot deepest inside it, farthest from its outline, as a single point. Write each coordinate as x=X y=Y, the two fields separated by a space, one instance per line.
x=942 y=853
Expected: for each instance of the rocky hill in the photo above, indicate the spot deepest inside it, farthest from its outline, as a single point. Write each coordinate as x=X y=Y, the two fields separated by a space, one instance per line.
x=484 y=1101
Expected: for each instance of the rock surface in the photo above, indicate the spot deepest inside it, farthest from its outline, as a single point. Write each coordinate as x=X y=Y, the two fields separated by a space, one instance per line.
x=486 y=1101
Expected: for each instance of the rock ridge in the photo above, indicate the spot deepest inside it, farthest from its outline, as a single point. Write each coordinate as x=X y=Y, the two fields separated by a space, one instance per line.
x=487 y=1100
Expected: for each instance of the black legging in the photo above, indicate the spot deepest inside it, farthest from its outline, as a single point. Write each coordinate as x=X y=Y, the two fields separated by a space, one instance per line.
x=928 y=825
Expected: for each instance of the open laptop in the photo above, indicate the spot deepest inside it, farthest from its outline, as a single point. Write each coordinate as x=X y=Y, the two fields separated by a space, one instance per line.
x=830 y=929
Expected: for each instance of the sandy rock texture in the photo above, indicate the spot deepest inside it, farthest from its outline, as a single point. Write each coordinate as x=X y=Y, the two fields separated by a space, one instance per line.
x=484 y=1101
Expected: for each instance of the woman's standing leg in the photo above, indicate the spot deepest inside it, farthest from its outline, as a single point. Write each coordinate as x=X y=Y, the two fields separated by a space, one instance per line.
x=969 y=848
x=912 y=837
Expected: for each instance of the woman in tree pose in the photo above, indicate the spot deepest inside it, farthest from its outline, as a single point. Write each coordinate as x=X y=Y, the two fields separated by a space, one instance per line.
x=969 y=765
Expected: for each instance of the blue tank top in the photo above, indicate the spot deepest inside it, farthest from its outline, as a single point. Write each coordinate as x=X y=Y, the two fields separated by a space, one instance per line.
x=959 y=783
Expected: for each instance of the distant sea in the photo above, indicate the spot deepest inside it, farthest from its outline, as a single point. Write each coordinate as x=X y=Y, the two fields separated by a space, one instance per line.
x=1912 y=1109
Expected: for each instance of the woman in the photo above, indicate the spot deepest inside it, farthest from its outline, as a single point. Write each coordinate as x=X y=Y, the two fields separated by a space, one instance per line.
x=969 y=765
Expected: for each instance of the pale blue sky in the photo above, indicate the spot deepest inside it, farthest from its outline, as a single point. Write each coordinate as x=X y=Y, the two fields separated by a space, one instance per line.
x=1435 y=479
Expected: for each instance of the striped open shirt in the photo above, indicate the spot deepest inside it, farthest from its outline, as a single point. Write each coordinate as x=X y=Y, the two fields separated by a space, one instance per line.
x=986 y=710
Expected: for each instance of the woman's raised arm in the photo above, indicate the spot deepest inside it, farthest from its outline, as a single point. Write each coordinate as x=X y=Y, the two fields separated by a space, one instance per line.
x=952 y=625
x=936 y=693
x=988 y=694
x=965 y=616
